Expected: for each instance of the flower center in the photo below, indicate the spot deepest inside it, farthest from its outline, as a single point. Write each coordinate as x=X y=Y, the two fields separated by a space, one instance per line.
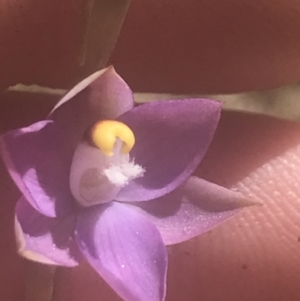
x=104 y=134
x=101 y=164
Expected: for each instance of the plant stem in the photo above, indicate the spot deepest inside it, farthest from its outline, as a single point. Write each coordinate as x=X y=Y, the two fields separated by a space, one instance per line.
x=39 y=282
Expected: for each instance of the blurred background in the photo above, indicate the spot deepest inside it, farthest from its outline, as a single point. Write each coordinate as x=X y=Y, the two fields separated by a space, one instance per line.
x=165 y=49
x=282 y=102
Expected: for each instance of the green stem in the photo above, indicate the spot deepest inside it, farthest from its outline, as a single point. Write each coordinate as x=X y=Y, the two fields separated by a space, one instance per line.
x=47 y=283
x=62 y=284
x=39 y=282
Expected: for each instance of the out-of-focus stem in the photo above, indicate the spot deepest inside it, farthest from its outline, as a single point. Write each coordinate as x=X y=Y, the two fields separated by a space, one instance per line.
x=62 y=284
x=104 y=21
x=39 y=282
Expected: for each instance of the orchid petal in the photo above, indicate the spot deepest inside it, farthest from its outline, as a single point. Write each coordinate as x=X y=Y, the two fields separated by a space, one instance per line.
x=102 y=95
x=171 y=139
x=41 y=168
x=43 y=239
x=192 y=209
x=125 y=249
x=37 y=158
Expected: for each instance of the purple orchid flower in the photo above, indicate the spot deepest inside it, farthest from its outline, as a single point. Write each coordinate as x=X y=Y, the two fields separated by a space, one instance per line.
x=112 y=183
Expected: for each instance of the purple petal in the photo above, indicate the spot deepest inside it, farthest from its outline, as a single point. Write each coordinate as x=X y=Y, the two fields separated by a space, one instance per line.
x=125 y=249
x=171 y=139
x=37 y=159
x=192 y=209
x=43 y=239
x=102 y=95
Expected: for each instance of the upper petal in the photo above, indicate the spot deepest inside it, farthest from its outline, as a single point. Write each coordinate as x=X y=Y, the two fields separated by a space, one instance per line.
x=102 y=95
x=38 y=160
x=171 y=140
x=192 y=209
x=125 y=249
x=43 y=239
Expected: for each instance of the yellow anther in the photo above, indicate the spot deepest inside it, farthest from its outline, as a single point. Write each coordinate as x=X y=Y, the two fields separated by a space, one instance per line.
x=104 y=134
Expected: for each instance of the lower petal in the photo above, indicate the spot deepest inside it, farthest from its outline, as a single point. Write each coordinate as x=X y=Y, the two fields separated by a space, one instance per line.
x=125 y=249
x=192 y=209
x=43 y=239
